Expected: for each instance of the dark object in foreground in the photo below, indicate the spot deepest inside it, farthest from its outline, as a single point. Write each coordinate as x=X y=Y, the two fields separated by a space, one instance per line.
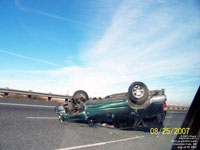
x=137 y=108
x=192 y=122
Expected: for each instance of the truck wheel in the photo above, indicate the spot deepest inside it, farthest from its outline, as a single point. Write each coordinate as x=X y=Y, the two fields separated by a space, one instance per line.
x=160 y=119
x=80 y=94
x=138 y=93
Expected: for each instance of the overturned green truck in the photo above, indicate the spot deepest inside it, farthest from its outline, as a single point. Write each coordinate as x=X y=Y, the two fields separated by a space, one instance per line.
x=136 y=108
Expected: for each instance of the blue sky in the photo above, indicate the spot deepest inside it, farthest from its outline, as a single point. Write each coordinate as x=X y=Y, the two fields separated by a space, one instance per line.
x=101 y=46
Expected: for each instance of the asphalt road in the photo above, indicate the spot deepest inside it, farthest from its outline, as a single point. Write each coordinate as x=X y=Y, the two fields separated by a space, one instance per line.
x=33 y=125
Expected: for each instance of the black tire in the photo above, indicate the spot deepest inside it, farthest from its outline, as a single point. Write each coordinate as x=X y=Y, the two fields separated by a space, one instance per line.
x=80 y=94
x=138 y=93
x=160 y=120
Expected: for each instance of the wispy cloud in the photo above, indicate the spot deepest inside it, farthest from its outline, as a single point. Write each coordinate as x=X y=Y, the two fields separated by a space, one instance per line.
x=138 y=45
x=28 y=58
x=61 y=18
x=152 y=41
x=148 y=41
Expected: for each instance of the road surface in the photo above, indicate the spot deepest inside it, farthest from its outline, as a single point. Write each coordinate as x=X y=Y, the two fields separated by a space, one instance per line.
x=33 y=125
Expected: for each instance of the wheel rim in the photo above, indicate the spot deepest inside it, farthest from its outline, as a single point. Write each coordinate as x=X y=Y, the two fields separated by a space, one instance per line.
x=138 y=91
x=80 y=95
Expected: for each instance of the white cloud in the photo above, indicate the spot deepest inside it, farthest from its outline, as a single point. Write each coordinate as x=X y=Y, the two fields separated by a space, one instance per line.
x=146 y=41
x=61 y=18
x=29 y=58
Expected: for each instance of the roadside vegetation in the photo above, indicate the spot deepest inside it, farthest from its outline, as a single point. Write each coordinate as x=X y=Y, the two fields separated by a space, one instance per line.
x=19 y=96
x=25 y=97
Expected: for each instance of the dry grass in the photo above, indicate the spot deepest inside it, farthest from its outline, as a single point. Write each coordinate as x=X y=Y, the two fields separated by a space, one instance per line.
x=20 y=96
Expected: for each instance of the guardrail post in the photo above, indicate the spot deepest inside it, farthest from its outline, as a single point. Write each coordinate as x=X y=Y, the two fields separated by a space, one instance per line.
x=49 y=98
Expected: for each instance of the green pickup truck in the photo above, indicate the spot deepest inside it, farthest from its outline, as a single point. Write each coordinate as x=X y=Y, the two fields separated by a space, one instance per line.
x=136 y=108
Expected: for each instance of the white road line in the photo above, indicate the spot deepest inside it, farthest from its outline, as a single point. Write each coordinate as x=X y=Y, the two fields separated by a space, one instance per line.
x=26 y=105
x=99 y=144
x=42 y=118
x=168 y=117
x=177 y=112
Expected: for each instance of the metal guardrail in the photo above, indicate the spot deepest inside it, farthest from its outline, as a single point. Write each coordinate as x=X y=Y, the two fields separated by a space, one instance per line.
x=6 y=91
